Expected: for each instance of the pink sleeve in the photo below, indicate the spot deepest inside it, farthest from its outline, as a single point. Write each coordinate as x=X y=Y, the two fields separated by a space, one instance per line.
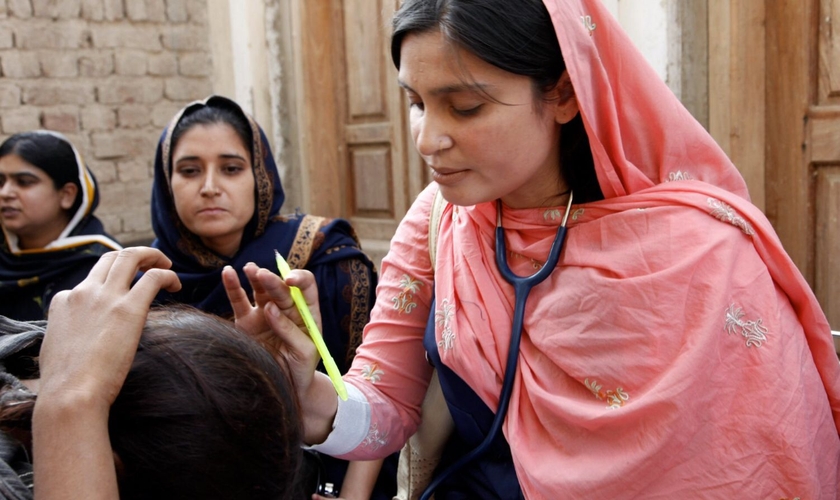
x=390 y=367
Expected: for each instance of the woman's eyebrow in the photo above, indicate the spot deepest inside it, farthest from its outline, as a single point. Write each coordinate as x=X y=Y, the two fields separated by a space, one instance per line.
x=20 y=175
x=452 y=89
x=229 y=156
x=232 y=156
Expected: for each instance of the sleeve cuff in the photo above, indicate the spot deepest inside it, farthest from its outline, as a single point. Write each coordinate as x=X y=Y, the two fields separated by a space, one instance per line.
x=351 y=425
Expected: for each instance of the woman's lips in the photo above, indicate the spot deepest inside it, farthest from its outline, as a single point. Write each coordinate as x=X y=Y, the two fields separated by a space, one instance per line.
x=447 y=176
x=211 y=211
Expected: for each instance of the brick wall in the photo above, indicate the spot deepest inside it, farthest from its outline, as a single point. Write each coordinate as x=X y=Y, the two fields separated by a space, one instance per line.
x=109 y=74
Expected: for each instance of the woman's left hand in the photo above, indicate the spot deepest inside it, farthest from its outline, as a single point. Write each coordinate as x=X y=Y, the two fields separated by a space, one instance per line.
x=274 y=321
x=250 y=317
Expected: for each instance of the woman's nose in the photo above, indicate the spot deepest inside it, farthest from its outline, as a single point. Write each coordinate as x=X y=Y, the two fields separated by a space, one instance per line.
x=209 y=187
x=431 y=137
x=6 y=190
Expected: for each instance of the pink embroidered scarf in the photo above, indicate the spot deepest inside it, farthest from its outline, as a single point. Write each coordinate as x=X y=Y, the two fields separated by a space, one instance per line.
x=676 y=351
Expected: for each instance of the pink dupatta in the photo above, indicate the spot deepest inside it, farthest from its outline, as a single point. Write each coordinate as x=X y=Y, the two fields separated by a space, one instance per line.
x=676 y=352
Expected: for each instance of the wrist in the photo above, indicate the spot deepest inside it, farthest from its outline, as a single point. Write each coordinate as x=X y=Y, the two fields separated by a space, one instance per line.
x=69 y=405
x=319 y=405
x=72 y=450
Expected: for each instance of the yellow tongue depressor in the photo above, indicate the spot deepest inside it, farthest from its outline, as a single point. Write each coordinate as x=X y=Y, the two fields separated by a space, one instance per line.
x=312 y=328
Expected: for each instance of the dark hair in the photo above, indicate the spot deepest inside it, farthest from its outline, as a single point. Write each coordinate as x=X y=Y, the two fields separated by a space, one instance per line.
x=516 y=36
x=214 y=112
x=205 y=412
x=51 y=154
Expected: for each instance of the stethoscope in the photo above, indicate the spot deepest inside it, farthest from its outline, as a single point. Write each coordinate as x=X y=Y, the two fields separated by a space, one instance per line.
x=522 y=286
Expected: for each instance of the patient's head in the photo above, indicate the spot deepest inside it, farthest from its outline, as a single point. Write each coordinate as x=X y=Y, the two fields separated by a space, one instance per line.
x=205 y=412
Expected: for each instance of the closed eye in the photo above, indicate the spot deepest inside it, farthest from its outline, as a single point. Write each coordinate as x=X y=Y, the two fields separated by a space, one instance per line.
x=188 y=170
x=468 y=111
x=21 y=180
x=233 y=169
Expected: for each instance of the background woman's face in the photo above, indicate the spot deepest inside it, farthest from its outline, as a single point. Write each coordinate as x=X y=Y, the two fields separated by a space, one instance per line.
x=213 y=185
x=30 y=205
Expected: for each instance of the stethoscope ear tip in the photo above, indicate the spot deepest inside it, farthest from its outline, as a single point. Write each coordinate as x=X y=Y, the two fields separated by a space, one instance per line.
x=568 y=208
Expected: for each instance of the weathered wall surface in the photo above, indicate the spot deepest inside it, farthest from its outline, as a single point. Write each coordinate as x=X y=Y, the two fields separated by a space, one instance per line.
x=109 y=74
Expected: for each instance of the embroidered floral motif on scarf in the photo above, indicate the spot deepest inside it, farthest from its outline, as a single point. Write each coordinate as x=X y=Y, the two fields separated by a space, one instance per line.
x=443 y=318
x=375 y=440
x=588 y=24
x=552 y=214
x=615 y=399
x=724 y=212
x=404 y=301
x=752 y=330
x=679 y=175
x=534 y=263
x=372 y=373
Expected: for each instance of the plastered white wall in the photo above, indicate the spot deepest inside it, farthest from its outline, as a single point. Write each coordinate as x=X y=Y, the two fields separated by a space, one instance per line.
x=648 y=24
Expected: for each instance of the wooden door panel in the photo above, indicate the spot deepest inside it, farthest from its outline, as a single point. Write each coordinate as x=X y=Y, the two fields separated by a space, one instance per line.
x=317 y=74
x=790 y=65
x=356 y=148
x=371 y=168
x=829 y=52
x=824 y=134
x=365 y=72
x=382 y=175
x=823 y=141
x=803 y=139
x=827 y=284
x=372 y=151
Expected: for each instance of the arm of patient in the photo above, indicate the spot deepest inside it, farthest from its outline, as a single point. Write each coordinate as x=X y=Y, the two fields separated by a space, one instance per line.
x=90 y=343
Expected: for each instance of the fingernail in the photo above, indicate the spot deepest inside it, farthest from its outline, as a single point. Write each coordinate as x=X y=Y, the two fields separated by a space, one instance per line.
x=272 y=309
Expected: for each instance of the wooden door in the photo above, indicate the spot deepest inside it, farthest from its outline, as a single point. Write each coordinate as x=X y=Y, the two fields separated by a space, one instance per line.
x=360 y=161
x=803 y=140
x=824 y=138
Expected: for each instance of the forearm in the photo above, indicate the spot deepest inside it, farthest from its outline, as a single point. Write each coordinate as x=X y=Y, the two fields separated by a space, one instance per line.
x=318 y=407
x=72 y=451
x=360 y=479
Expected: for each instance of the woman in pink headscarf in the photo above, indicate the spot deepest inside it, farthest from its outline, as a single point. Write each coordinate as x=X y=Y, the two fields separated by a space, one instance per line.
x=673 y=352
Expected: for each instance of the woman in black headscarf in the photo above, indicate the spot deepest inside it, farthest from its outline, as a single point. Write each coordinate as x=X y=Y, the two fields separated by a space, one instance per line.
x=51 y=238
x=216 y=202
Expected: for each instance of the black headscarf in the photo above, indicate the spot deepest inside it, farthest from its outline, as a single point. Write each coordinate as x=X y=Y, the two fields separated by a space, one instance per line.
x=327 y=247
x=30 y=278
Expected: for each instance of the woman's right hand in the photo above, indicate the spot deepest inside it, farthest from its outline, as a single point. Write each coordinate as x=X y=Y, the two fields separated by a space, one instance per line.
x=91 y=340
x=94 y=329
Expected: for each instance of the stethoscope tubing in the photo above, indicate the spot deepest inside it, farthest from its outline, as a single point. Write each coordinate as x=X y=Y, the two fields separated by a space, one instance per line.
x=522 y=286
